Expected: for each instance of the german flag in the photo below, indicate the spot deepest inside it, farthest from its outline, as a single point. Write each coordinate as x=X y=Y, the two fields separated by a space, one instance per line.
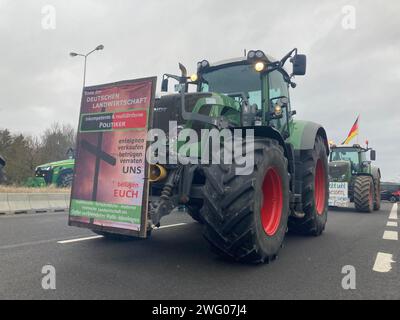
x=353 y=132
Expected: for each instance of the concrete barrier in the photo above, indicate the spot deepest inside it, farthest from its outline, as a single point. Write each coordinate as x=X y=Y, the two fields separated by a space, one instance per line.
x=14 y=203
x=39 y=202
x=19 y=202
x=4 y=207
x=67 y=199
x=57 y=201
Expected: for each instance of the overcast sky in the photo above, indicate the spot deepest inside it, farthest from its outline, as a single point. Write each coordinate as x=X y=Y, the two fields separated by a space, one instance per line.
x=350 y=71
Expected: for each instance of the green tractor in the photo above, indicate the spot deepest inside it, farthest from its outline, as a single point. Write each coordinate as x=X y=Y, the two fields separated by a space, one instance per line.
x=353 y=178
x=245 y=216
x=59 y=173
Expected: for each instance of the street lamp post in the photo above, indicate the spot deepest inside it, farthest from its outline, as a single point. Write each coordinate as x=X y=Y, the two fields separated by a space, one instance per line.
x=74 y=54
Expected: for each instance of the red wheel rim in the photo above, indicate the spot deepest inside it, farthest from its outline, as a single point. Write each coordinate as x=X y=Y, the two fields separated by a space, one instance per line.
x=320 y=188
x=271 y=210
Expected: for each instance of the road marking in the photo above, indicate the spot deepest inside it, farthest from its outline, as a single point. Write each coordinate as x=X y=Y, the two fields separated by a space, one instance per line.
x=99 y=237
x=393 y=213
x=383 y=262
x=79 y=239
x=391 y=235
x=27 y=244
x=392 y=224
x=172 y=226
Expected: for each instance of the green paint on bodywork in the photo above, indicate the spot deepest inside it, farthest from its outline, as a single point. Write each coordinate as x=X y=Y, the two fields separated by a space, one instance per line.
x=69 y=163
x=303 y=134
x=219 y=105
x=57 y=168
x=296 y=128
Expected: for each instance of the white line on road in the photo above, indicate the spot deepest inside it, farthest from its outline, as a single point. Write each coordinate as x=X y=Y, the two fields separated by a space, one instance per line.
x=79 y=239
x=99 y=237
x=391 y=235
x=393 y=213
x=392 y=224
x=383 y=262
x=172 y=226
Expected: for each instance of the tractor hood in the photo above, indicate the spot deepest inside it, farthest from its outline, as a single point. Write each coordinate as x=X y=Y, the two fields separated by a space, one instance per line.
x=202 y=111
x=55 y=164
x=340 y=171
x=169 y=108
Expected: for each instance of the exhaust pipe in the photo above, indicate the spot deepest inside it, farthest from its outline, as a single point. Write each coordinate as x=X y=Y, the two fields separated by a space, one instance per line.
x=157 y=173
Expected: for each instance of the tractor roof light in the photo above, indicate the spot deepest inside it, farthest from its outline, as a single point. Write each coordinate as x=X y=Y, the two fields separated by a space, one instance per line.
x=259 y=66
x=203 y=64
x=260 y=54
x=256 y=54
x=251 y=55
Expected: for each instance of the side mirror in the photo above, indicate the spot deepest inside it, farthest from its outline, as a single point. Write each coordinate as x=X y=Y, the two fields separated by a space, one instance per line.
x=299 y=64
x=373 y=155
x=164 y=85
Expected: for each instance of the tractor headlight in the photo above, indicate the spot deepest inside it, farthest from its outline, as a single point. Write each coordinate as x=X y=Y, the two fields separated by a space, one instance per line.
x=194 y=77
x=45 y=168
x=259 y=66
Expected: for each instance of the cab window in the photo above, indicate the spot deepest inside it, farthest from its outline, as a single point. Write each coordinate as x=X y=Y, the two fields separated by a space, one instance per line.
x=278 y=88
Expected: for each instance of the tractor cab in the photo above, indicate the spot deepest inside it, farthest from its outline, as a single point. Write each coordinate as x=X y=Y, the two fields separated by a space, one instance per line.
x=242 y=92
x=349 y=160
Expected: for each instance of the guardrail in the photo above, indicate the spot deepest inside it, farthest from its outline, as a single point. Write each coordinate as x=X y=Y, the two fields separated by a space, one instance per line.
x=17 y=203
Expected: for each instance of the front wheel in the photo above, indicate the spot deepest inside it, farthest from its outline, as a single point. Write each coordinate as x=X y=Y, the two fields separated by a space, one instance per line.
x=315 y=191
x=65 y=179
x=245 y=216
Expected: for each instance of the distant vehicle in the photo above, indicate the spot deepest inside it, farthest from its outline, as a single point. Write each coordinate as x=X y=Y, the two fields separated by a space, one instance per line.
x=2 y=165
x=390 y=194
x=59 y=173
x=354 y=179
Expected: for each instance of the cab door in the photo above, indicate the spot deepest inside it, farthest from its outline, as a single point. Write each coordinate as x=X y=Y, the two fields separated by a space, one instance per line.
x=278 y=88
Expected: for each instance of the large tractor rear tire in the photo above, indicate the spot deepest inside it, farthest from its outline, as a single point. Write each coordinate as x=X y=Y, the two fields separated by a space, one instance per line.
x=364 y=194
x=315 y=194
x=377 y=203
x=245 y=216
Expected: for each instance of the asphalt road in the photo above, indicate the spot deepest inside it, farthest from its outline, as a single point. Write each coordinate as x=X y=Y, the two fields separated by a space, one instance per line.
x=176 y=263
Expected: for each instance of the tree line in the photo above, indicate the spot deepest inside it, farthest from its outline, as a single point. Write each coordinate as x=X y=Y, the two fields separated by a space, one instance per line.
x=23 y=153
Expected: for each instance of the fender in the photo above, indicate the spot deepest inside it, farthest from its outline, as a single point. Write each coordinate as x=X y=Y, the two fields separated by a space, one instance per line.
x=270 y=132
x=376 y=173
x=303 y=134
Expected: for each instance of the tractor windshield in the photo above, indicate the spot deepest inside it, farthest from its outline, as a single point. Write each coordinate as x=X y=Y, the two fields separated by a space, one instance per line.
x=232 y=80
x=345 y=154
